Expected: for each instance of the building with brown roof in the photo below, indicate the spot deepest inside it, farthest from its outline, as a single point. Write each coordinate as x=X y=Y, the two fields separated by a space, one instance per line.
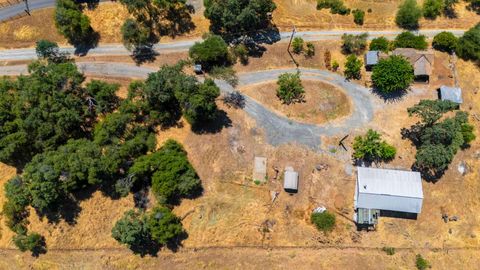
x=422 y=62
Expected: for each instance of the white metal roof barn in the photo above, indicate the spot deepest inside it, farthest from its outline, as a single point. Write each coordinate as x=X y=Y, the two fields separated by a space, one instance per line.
x=392 y=190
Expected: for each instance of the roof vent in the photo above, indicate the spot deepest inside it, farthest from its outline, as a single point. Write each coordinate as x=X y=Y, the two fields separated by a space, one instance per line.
x=364 y=186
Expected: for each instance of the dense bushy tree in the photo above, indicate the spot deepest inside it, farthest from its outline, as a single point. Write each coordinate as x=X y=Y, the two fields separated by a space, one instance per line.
x=409 y=40
x=135 y=35
x=52 y=175
x=392 y=74
x=353 y=67
x=105 y=99
x=199 y=106
x=379 y=44
x=324 y=221
x=290 y=89
x=335 y=6
x=445 y=42
x=49 y=50
x=33 y=242
x=131 y=230
x=371 y=148
x=310 y=51
x=408 y=15
x=171 y=173
x=438 y=142
x=432 y=8
x=41 y=111
x=14 y=208
x=354 y=43
x=358 y=16
x=468 y=46
x=297 y=45
x=72 y=23
x=237 y=17
x=210 y=52
x=163 y=225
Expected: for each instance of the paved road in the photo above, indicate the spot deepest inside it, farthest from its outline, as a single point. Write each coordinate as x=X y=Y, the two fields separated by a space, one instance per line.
x=14 y=10
x=278 y=129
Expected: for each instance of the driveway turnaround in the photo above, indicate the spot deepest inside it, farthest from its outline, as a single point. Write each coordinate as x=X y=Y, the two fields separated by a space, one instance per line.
x=278 y=129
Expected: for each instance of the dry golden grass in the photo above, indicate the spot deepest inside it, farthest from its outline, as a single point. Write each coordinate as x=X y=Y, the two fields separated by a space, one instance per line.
x=322 y=103
x=107 y=19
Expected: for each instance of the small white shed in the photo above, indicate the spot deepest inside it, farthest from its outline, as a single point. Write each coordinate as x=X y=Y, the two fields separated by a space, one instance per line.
x=290 y=182
x=260 y=169
x=392 y=190
x=453 y=94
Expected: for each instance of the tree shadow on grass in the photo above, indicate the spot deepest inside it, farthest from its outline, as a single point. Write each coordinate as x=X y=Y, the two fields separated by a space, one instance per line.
x=178 y=21
x=389 y=97
x=41 y=248
x=220 y=122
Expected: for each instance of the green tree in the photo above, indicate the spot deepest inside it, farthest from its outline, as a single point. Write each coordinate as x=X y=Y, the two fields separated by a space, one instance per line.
x=135 y=35
x=430 y=111
x=371 y=147
x=33 y=242
x=131 y=230
x=34 y=121
x=433 y=8
x=105 y=99
x=290 y=89
x=323 y=221
x=353 y=67
x=468 y=46
x=14 y=208
x=392 y=74
x=200 y=107
x=231 y=18
x=408 y=15
x=380 y=44
x=358 y=16
x=409 y=40
x=163 y=225
x=335 y=6
x=49 y=50
x=354 y=43
x=241 y=52
x=297 y=45
x=72 y=23
x=212 y=51
x=445 y=42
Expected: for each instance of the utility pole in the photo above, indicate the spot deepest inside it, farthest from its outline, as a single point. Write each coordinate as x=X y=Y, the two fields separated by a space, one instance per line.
x=290 y=43
x=27 y=9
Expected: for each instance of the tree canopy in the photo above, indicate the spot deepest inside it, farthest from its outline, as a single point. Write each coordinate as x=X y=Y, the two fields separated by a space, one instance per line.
x=445 y=41
x=468 y=46
x=353 y=67
x=392 y=74
x=408 y=15
x=433 y=8
x=371 y=148
x=354 y=43
x=409 y=40
x=238 y=17
x=72 y=23
x=290 y=89
x=379 y=44
x=212 y=51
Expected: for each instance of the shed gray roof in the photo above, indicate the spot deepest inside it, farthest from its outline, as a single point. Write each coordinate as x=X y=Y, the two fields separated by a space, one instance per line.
x=392 y=190
x=453 y=94
x=390 y=182
x=371 y=58
x=291 y=179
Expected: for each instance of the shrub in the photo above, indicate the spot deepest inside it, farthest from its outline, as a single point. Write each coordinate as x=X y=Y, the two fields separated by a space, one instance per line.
x=327 y=57
x=131 y=230
x=421 y=263
x=335 y=65
x=380 y=44
x=163 y=225
x=297 y=45
x=14 y=208
x=432 y=8
x=354 y=43
x=468 y=46
x=211 y=52
x=409 y=40
x=352 y=67
x=445 y=42
x=335 y=6
x=408 y=15
x=389 y=250
x=323 y=221
x=358 y=16
x=392 y=74
x=310 y=52
x=371 y=148
x=33 y=242
x=290 y=89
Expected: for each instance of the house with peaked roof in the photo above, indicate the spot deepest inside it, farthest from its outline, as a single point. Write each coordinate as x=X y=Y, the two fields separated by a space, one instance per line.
x=421 y=61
